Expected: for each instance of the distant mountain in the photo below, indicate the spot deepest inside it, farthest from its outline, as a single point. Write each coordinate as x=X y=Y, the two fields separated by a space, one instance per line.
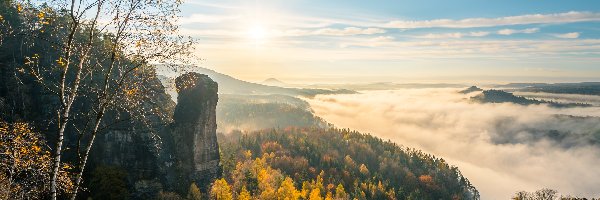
x=231 y=85
x=273 y=82
x=388 y=86
x=471 y=89
x=586 y=88
x=521 y=85
x=499 y=96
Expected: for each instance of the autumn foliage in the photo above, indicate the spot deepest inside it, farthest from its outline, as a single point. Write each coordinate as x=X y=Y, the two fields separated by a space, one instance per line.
x=25 y=163
x=316 y=163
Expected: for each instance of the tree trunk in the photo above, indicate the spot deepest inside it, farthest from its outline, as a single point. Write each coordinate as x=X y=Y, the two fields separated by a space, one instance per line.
x=64 y=123
x=82 y=167
x=57 y=154
x=87 y=153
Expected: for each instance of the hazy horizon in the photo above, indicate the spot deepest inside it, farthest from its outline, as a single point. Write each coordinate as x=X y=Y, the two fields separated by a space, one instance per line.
x=358 y=79
x=549 y=41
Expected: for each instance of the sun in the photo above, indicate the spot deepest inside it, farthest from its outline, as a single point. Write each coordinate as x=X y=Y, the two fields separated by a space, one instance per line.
x=257 y=33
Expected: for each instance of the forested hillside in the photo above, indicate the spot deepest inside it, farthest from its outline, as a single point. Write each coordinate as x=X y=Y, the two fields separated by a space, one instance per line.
x=257 y=112
x=586 y=88
x=81 y=96
x=499 y=96
x=313 y=163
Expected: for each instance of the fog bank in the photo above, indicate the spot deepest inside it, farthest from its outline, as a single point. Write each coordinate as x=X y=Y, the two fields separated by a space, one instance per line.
x=500 y=148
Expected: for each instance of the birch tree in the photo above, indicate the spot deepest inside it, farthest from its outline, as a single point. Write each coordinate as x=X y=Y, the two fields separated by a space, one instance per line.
x=101 y=53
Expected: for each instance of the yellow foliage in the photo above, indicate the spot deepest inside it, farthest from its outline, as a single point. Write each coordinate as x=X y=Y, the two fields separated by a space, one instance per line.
x=221 y=190
x=319 y=183
x=26 y=154
x=24 y=146
x=315 y=194
x=257 y=175
x=131 y=92
x=268 y=193
x=305 y=189
x=244 y=194
x=340 y=193
x=287 y=191
x=248 y=154
x=61 y=62
x=267 y=181
x=363 y=169
x=329 y=196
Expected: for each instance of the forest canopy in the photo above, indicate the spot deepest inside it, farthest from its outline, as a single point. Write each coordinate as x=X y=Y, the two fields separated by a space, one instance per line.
x=332 y=162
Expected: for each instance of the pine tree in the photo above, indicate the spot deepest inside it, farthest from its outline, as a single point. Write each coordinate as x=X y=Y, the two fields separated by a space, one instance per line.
x=340 y=193
x=221 y=190
x=315 y=194
x=194 y=192
x=287 y=190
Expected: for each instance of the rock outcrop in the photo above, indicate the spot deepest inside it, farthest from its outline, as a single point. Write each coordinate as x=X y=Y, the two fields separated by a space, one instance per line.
x=196 y=150
x=186 y=152
x=471 y=89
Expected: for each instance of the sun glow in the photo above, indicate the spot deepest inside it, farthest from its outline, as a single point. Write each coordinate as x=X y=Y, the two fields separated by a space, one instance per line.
x=257 y=33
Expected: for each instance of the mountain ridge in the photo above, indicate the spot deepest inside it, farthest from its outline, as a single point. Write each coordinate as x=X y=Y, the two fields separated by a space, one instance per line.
x=232 y=85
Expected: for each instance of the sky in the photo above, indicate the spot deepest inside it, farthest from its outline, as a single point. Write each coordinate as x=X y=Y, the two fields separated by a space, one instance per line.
x=397 y=41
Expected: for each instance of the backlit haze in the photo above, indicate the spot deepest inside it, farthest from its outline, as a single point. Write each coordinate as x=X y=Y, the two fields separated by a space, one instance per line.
x=399 y=41
x=465 y=41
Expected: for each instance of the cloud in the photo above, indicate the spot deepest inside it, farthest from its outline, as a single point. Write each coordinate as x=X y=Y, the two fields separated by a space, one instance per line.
x=346 y=31
x=382 y=39
x=453 y=35
x=206 y=19
x=567 y=17
x=224 y=33
x=572 y=35
x=479 y=33
x=500 y=148
x=562 y=98
x=509 y=49
x=513 y=31
x=214 y=33
x=441 y=36
x=372 y=42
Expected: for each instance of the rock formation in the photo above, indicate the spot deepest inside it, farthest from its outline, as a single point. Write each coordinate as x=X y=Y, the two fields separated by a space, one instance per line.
x=194 y=131
x=187 y=149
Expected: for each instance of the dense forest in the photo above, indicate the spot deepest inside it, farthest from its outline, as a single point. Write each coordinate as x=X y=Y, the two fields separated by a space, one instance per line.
x=313 y=163
x=499 y=96
x=257 y=112
x=586 y=88
x=545 y=194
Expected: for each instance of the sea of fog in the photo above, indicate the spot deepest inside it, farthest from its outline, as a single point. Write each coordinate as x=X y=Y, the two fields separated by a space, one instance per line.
x=496 y=146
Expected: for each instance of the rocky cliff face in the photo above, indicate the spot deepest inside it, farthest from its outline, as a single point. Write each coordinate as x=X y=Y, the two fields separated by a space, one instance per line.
x=193 y=130
x=186 y=152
